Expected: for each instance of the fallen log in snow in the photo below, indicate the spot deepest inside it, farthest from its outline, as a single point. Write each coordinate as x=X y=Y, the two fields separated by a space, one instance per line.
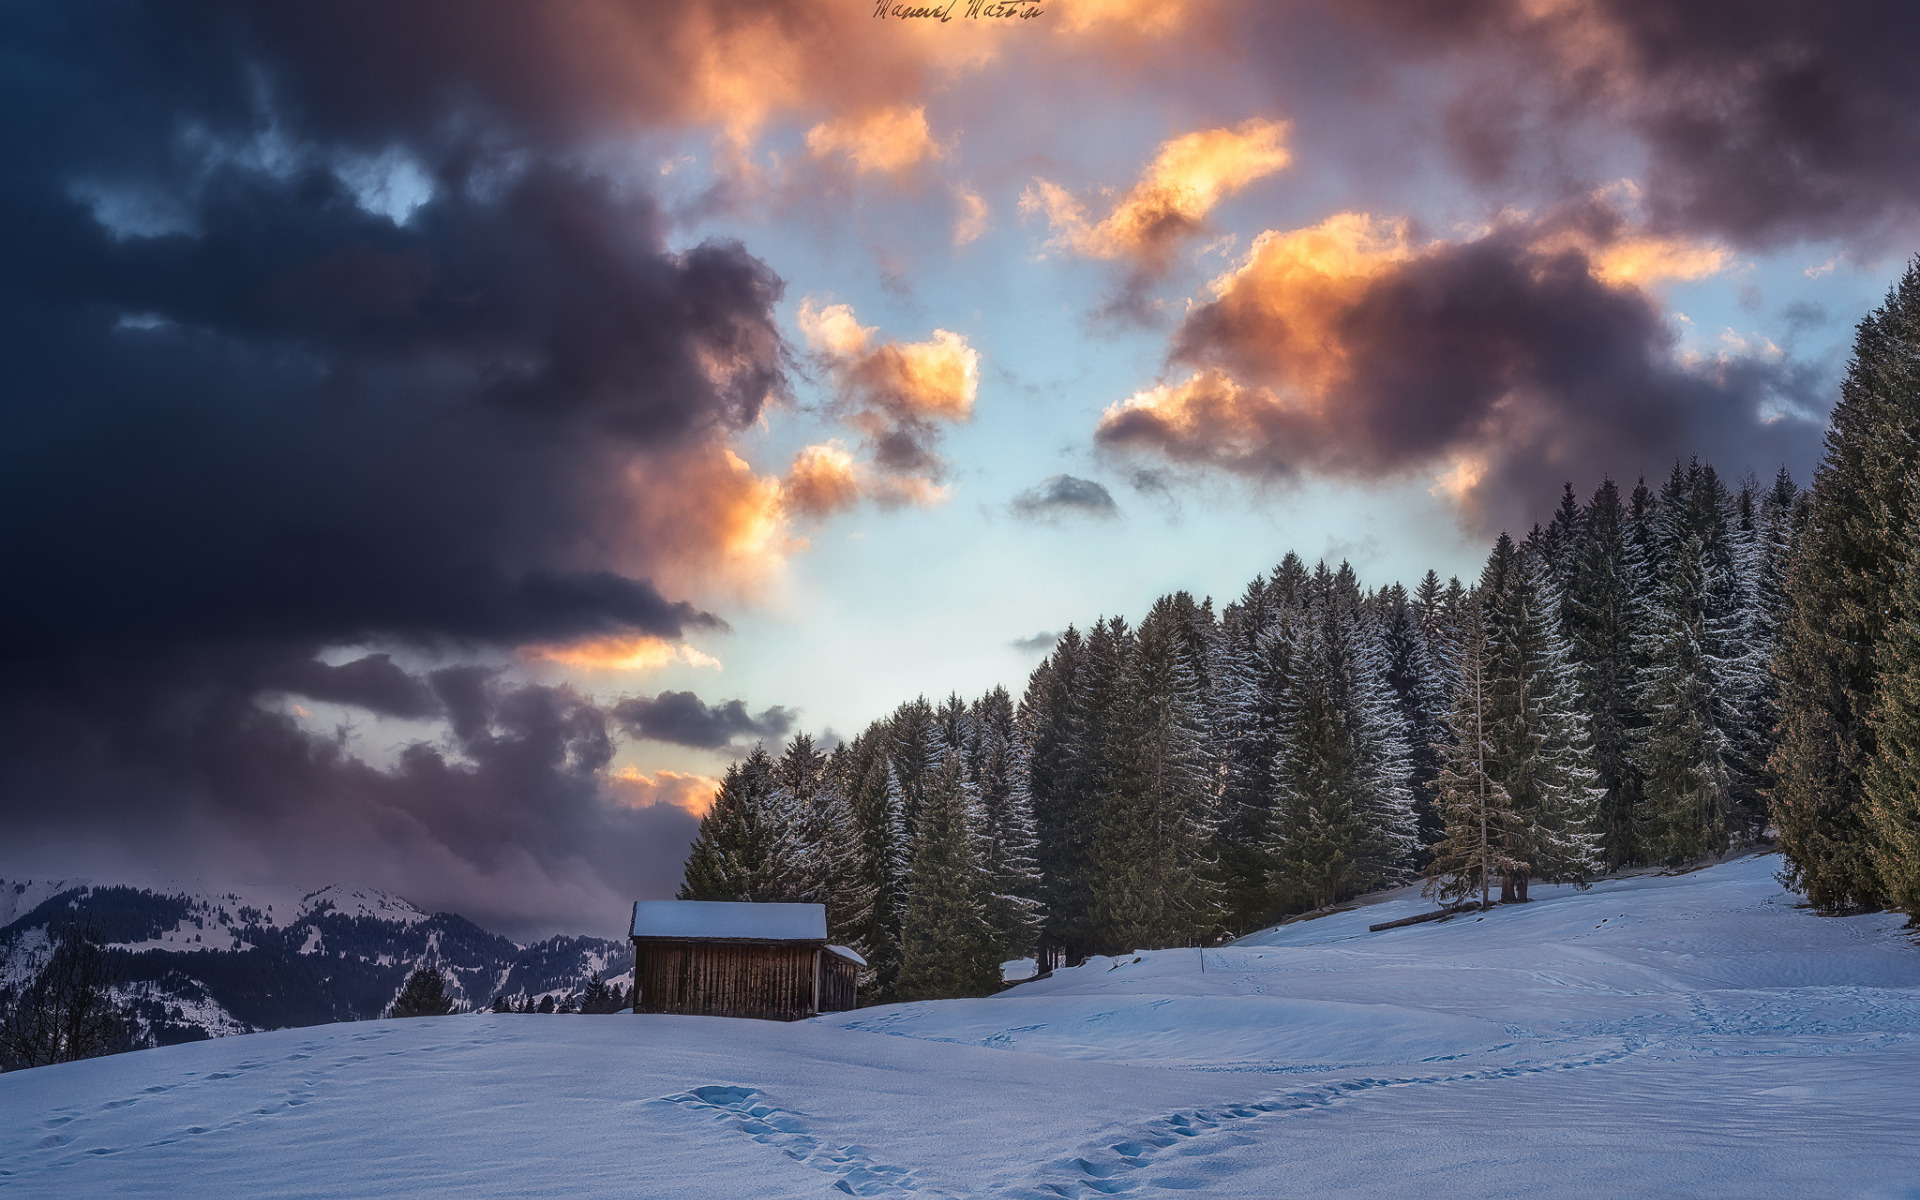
x=1436 y=915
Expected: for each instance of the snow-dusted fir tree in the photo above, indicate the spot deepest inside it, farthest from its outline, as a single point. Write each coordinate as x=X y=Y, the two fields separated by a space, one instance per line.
x=1343 y=811
x=1152 y=883
x=1842 y=579
x=1420 y=697
x=821 y=838
x=874 y=806
x=1543 y=758
x=741 y=852
x=1099 y=712
x=916 y=755
x=1892 y=778
x=1601 y=618
x=1254 y=668
x=1682 y=753
x=1060 y=808
x=1478 y=818
x=948 y=948
x=996 y=765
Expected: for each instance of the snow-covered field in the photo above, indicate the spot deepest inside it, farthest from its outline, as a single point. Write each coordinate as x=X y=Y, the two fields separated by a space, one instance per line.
x=1692 y=1035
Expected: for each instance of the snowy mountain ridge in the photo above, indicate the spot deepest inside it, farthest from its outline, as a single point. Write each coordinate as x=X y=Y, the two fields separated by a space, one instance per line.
x=200 y=963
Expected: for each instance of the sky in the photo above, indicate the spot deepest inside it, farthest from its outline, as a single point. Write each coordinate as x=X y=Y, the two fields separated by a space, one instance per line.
x=442 y=437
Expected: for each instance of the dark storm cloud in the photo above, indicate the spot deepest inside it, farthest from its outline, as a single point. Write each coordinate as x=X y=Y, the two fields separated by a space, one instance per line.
x=683 y=719
x=1065 y=495
x=374 y=683
x=1763 y=120
x=508 y=824
x=1495 y=365
x=321 y=329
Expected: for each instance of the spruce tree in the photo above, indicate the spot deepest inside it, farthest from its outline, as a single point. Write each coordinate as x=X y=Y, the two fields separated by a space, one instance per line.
x=1151 y=881
x=1601 y=617
x=1099 y=709
x=1062 y=829
x=1255 y=657
x=425 y=995
x=820 y=838
x=1420 y=697
x=948 y=948
x=741 y=851
x=997 y=769
x=1892 y=779
x=1542 y=756
x=1842 y=582
x=1344 y=818
x=1478 y=817
x=1683 y=753
x=874 y=807
x=916 y=755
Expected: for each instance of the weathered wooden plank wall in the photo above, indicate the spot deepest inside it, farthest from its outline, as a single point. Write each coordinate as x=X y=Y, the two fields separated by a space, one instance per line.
x=725 y=979
x=838 y=981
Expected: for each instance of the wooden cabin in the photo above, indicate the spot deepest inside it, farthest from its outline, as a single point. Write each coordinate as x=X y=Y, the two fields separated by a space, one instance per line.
x=727 y=959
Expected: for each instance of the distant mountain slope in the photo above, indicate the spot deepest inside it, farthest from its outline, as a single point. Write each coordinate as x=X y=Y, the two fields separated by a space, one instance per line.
x=195 y=965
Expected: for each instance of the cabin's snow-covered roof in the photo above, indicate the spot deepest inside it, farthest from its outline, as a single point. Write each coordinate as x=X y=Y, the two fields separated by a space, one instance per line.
x=848 y=952
x=724 y=919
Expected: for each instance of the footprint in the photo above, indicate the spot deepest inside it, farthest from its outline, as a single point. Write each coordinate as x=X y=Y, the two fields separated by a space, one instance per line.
x=748 y=1112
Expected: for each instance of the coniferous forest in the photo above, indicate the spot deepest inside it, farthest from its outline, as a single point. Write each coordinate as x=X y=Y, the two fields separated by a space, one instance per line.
x=1655 y=675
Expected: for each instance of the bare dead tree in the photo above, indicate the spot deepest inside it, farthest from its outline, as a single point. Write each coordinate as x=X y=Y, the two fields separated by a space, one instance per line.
x=66 y=1011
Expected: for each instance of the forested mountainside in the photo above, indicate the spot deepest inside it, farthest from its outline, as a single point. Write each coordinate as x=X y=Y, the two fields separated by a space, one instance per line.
x=192 y=965
x=1600 y=695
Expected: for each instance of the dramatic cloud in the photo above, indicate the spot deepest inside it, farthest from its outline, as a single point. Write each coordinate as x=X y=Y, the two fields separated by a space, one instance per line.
x=334 y=333
x=1500 y=365
x=636 y=653
x=1762 y=122
x=823 y=479
x=683 y=719
x=1065 y=495
x=898 y=395
x=693 y=794
x=1187 y=178
x=513 y=822
x=374 y=683
x=889 y=140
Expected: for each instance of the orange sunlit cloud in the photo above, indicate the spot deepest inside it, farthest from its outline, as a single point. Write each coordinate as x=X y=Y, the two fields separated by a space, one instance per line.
x=897 y=395
x=972 y=219
x=639 y=652
x=823 y=480
x=889 y=140
x=640 y=789
x=826 y=479
x=1289 y=294
x=1187 y=178
x=1349 y=348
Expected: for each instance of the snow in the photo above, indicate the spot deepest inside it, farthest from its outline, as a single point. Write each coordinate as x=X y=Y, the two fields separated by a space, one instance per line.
x=18 y=897
x=1693 y=1035
x=849 y=953
x=721 y=919
x=361 y=904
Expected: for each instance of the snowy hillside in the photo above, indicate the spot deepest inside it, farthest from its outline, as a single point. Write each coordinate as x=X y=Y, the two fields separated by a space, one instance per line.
x=195 y=964
x=1693 y=1035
